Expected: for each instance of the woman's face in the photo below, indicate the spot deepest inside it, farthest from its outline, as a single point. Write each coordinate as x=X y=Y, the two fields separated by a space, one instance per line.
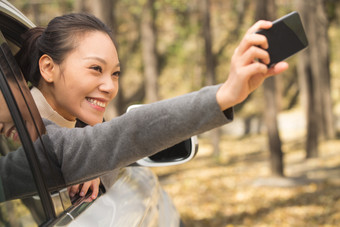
x=7 y=127
x=87 y=80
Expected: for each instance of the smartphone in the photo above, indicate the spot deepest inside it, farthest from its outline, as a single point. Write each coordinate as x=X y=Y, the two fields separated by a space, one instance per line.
x=285 y=38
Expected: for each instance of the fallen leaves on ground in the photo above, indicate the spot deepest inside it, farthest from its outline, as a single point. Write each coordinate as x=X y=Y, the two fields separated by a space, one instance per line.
x=237 y=188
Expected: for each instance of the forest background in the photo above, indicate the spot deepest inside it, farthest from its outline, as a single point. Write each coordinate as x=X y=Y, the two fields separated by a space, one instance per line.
x=288 y=130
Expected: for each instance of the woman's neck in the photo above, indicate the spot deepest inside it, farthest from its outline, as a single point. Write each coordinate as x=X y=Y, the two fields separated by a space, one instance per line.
x=46 y=111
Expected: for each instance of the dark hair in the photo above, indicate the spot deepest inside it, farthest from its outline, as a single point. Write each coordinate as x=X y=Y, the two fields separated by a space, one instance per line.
x=56 y=40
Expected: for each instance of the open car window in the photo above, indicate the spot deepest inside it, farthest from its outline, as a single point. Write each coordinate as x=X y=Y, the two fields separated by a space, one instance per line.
x=28 y=178
x=16 y=207
x=23 y=191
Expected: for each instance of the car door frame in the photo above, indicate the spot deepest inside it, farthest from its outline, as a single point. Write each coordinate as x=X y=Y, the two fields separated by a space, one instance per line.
x=26 y=141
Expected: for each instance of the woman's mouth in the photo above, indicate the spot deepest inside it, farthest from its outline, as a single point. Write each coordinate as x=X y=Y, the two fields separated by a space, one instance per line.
x=97 y=103
x=12 y=133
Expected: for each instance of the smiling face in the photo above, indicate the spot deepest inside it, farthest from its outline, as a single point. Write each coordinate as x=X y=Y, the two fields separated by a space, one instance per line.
x=86 y=81
x=7 y=127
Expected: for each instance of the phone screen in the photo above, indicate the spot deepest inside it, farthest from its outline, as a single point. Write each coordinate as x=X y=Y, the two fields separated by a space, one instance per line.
x=285 y=38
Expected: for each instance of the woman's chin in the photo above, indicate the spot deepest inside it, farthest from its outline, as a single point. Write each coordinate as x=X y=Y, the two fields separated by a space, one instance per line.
x=92 y=120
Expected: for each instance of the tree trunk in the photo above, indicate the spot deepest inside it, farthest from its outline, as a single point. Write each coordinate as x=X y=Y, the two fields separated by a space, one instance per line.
x=304 y=69
x=149 y=51
x=36 y=13
x=210 y=75
x=208 y=53
x=103 y=9
x=276 y=154
x=266 y=9
x=313 y=68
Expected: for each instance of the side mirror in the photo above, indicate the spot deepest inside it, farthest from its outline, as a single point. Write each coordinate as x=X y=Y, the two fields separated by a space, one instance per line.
x=175 y=155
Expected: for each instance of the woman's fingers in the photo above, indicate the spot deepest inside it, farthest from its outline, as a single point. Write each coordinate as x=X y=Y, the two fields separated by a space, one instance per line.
x=253 y=39
x=95 y=188
x=254 y=54
x=85 y=188
x=252 y=46
x=73 y=190
x=258 y=73
x=261 y=24
x=278 y=68
x=94 y=185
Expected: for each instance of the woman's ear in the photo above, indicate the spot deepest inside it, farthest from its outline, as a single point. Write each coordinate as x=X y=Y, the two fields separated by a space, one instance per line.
x=47 y=68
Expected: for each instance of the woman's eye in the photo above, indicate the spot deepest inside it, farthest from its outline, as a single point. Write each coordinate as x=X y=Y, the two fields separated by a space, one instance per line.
x=117 y=74
x=97 y=68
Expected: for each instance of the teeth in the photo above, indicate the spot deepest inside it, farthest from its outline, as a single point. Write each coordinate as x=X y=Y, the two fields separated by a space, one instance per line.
x=12 y=134
x=96 y=102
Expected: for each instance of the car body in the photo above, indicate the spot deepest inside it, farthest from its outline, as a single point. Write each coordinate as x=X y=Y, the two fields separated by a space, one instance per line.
x=135 y=199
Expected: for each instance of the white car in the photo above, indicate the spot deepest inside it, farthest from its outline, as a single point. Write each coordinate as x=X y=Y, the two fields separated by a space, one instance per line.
x=136 y=198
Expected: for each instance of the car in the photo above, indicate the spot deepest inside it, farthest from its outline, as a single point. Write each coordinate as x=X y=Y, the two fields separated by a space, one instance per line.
x=135 y=199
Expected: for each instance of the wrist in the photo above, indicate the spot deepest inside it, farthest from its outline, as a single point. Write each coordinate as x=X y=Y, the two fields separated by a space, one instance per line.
x=224 y=99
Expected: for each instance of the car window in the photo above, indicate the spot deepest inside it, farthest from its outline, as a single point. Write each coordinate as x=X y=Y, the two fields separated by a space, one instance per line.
x=26 y=170
x=16 y=209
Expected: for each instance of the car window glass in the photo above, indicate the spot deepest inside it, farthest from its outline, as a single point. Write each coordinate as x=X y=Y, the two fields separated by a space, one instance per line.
x=17 y=206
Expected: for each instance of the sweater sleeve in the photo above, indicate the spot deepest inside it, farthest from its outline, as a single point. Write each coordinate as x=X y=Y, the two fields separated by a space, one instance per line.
x=85 y=153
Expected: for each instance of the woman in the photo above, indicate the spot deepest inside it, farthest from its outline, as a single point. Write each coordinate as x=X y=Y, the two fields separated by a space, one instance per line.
x=78 y=80
x=74 y=68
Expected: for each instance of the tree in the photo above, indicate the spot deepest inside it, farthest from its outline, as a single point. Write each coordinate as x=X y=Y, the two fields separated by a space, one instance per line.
x=314 y=72
x=36 y=12
x=210 y=78
x=266 y=9
x=149 y=51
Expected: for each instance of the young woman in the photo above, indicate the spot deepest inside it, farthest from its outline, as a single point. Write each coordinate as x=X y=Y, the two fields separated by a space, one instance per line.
x=74 y=68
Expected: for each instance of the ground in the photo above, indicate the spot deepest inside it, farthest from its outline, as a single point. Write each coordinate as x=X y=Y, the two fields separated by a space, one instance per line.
x=237 y=189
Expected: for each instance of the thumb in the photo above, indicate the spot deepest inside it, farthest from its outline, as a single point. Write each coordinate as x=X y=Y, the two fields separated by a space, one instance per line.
x=278 y=68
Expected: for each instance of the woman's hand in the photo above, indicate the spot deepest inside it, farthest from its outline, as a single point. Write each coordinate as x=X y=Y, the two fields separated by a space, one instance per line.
x=248 y=67
x=83 y=188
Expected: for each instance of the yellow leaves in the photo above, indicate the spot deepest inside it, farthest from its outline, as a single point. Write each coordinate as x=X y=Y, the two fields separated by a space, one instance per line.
x=222 y=193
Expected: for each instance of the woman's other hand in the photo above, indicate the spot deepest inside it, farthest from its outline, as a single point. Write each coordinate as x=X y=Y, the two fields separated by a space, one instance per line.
x=248 y=67
x=83 y=188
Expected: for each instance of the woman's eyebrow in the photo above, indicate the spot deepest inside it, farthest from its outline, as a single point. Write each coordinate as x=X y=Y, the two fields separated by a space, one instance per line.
x=95 y=58
x=99 y=59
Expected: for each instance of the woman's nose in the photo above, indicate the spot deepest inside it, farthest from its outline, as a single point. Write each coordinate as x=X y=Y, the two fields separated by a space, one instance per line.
x=108 y=84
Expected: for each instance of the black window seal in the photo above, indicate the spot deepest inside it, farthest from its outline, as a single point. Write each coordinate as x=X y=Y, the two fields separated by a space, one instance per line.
x=27 y=145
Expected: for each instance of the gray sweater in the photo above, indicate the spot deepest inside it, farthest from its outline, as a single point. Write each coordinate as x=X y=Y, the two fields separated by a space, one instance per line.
x=80 y=154
x=90 y=151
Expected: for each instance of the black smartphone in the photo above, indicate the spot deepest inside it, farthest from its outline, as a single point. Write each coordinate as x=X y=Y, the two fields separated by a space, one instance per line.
x=285 y=38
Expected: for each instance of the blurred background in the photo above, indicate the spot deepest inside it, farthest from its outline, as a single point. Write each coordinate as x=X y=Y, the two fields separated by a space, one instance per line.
x=278 y=163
